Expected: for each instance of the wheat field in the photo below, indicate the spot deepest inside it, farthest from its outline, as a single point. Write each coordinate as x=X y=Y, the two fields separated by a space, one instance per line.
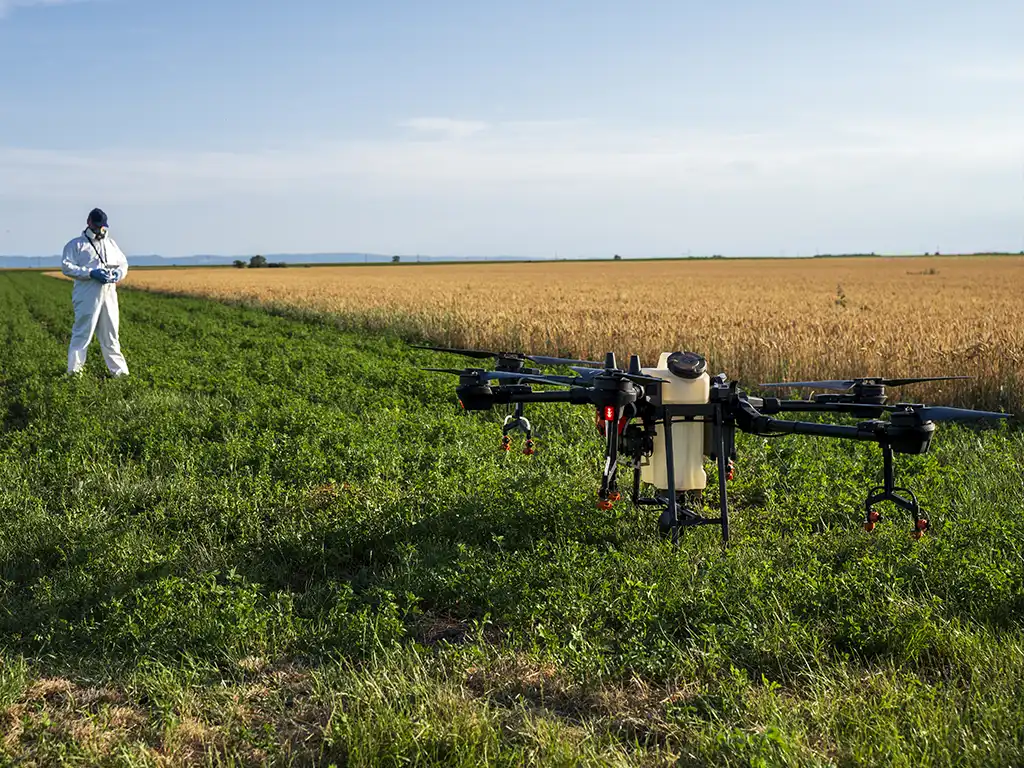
x=757 y=320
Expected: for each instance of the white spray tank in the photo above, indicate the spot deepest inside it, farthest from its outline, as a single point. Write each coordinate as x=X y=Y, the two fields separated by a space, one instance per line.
x=686 y=381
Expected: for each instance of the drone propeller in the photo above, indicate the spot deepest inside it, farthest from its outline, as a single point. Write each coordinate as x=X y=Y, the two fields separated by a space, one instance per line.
x=945 y=413
x=542 y=360
x=610 y=368
x=483 y=354
x=589 y=374
x=586 y=373
x=477 y=353
x=844 y=385
x=483 y=375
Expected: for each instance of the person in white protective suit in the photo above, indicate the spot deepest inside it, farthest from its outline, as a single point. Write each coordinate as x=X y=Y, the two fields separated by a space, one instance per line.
x=97 y=266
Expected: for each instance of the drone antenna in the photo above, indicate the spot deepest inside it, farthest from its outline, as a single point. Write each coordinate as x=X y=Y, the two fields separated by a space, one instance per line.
x=609 y=362
x=634 y=364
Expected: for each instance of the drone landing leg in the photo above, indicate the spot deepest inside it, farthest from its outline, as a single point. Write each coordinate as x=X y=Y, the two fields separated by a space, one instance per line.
x=609 y=492
x=723 y=474
x=675 y=515
x=672 y=512
x=888 y=492
x=636 y=481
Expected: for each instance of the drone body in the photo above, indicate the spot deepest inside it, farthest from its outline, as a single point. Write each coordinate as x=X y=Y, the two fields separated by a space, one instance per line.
x=686 y=381
x=665 y=420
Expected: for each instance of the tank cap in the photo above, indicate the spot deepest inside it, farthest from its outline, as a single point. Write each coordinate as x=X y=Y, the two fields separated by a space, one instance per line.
x=687 y=365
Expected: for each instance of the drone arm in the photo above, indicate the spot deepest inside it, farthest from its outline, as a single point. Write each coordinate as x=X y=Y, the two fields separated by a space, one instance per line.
x=769 y=426
x=751 y=420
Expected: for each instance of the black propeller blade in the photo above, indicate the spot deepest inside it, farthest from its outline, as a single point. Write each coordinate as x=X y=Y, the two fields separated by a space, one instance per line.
x=586 y=374
x=542 y=360
x=477 y=353
x=844 y=385
x=483 y=354
x=945 y=413
x=901 y=382
x=483 y=375
x=589 y=374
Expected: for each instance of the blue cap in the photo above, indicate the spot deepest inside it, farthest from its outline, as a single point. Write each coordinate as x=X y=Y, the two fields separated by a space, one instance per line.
x=97 y=218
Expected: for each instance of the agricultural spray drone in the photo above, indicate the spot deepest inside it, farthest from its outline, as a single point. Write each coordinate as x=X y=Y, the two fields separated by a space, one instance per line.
x=664 y=420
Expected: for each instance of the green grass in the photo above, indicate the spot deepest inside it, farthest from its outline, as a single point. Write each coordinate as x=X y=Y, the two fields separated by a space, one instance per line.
x=280 y=543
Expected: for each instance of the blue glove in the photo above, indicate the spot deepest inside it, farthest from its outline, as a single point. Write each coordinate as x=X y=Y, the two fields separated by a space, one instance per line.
x=100 y=276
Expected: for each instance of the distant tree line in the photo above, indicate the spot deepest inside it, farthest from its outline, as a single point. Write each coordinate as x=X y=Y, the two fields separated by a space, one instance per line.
x=258 y=262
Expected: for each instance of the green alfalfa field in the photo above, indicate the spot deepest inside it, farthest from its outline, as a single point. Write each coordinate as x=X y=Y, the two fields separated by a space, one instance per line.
x=280 y=543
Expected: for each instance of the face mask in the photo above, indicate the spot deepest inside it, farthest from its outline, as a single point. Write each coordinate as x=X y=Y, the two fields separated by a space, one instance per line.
x=100 y=233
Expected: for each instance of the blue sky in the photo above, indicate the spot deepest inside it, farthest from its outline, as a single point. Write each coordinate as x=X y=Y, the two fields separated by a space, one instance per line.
x=570 y=127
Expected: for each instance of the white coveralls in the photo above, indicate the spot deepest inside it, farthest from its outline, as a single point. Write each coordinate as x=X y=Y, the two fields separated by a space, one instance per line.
x=95 y=302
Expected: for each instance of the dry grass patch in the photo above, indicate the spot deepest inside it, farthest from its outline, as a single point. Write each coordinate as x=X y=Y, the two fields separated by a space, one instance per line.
x=272 y=717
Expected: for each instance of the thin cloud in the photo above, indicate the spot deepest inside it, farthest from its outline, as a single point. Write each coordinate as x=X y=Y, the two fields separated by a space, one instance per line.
x=505 y=158
x=9 y=6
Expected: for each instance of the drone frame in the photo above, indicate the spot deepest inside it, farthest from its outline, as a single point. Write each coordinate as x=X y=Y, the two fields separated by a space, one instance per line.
x=624 y=396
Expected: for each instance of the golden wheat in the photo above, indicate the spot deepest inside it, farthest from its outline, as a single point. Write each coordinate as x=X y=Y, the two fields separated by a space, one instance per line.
x=758 y=320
